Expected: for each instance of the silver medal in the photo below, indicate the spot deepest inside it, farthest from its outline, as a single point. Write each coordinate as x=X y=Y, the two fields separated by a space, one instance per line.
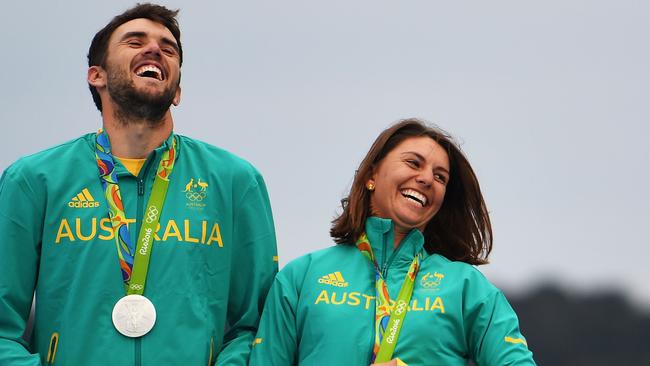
x=134 y=316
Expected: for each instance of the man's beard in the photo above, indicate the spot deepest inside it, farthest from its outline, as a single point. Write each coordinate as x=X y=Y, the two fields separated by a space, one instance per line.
x=133 y=105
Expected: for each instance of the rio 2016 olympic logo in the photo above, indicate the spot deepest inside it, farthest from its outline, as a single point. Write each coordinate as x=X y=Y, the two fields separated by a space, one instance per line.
x=400 y=307
x=152 y=214
x=135 y=286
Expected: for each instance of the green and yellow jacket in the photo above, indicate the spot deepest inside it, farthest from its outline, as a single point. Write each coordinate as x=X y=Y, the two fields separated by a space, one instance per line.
x=212 y=263
x=320 y=310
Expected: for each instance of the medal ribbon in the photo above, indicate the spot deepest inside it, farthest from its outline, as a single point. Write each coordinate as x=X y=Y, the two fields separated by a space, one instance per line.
x=385 y=318
x=134 y=272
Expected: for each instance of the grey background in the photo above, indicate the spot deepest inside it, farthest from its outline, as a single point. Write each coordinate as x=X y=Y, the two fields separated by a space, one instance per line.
x=547 y=99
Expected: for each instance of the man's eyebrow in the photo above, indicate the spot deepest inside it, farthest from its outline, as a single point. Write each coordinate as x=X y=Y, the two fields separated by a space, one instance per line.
x=140 y=34
x=135 y=34
x=171 y=42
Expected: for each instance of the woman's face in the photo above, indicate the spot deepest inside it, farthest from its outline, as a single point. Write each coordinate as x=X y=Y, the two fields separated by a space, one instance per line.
x=410 y=183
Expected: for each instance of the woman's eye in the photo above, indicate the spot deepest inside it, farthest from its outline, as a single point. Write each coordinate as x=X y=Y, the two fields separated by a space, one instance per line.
x=134 y=43
x=440 y=178
x=413 y=163
x=169 y=51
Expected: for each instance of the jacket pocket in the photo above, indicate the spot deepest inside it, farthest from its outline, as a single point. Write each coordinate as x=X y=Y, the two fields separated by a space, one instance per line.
x=51 y=349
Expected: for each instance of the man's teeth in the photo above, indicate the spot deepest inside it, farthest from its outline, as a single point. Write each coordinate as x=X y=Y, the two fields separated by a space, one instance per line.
x=149 y=69
x=412 y=194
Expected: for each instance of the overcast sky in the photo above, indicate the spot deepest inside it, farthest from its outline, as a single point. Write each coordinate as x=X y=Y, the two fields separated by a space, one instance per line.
x=549 y=100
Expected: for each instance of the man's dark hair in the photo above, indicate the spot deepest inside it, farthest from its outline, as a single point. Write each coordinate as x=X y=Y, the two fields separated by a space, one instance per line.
x=99 y=46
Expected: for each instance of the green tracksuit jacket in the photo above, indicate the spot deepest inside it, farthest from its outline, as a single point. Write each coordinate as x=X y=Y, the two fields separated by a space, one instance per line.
x=212 y=262
x=320 y=310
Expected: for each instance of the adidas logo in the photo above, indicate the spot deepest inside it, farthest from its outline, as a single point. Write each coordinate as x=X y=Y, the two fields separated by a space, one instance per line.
x=83 y=199
x=334 y=279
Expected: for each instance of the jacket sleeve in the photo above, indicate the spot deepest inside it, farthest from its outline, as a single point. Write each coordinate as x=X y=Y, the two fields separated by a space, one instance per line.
x=276 y=343
x=20 y=227
x=494 y=336
x=254 y=265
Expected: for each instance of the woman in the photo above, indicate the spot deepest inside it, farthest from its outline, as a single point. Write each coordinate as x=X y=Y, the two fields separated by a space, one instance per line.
x=400 y=287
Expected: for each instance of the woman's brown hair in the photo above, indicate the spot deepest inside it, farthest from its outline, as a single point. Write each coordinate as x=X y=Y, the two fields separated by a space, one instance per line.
x=461 y=229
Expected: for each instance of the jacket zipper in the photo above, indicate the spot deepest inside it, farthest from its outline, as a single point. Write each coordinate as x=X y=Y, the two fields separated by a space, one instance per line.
x=387 y=264
x=384 y=257
x=384 y=272
x=389 y=260
x=138 y=218
x=140 y=187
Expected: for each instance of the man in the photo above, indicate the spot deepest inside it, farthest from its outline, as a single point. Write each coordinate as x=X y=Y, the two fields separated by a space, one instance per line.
x=141 y=246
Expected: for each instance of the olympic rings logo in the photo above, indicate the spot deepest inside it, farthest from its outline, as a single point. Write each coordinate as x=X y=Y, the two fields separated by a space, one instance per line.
x=195 y=196
x=400 y=307
x=152 y=214
x=431 y=280
x=430 y=284
x=135 y=286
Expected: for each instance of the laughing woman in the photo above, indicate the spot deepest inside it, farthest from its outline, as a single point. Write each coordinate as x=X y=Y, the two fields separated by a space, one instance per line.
x=400 y=288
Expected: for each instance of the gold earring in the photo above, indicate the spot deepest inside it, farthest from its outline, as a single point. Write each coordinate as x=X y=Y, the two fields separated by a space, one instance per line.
x=370 y=186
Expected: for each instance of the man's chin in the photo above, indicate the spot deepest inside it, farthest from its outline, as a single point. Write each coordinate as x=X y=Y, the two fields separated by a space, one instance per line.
x=151 y=92
x=143 y=109
x=140 y=102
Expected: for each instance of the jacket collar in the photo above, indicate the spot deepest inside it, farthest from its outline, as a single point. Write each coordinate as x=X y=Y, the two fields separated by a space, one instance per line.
x=381 y=235
x=151 y=159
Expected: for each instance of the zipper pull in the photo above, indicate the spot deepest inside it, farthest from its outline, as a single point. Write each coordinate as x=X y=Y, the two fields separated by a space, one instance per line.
x=140 y=187
x=384 y=254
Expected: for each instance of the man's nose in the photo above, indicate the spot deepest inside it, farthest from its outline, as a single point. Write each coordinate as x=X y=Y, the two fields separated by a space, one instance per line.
x=152 y=48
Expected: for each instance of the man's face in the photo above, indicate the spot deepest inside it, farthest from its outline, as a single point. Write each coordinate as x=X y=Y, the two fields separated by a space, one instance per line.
x=143 y=70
